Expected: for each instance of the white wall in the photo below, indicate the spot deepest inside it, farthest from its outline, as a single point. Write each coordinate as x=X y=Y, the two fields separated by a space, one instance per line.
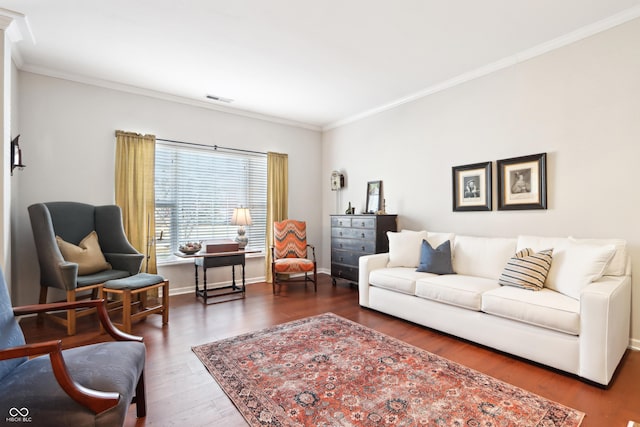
x=68 y=142
x=580 y=104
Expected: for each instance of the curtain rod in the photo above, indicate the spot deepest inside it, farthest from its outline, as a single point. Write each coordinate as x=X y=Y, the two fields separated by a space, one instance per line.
x=215 y=147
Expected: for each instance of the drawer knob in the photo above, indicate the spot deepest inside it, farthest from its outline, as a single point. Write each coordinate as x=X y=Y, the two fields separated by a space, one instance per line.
x=341 y=259
x=341 y=233
x=363 y=249
x=363 y=235
x=341 y=245
x=363 y=223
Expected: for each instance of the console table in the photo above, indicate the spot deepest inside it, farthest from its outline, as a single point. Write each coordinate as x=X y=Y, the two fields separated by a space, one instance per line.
x=212 y=260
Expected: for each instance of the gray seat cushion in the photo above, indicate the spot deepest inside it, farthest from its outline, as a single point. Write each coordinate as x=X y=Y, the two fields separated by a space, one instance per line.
x=110 y=366
x=134 y=282
x=101 y=277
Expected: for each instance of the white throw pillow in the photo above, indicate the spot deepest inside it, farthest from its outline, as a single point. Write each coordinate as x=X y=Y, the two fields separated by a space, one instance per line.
x=575 y=265
x=436 y=239
x=404 y=248
x=540 y=243
x=482 y=256
x=618 y=264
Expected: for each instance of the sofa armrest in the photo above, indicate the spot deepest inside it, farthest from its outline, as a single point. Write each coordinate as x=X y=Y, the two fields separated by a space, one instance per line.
x=605 y=317
x=367 y=264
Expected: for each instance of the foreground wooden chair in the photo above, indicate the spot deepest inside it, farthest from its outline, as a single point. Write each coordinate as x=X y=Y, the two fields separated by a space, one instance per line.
x=92 y=385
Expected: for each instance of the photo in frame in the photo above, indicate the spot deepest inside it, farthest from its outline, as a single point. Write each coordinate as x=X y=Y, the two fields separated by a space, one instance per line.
x=374 y=197
x=472 y=187
x=522 y=182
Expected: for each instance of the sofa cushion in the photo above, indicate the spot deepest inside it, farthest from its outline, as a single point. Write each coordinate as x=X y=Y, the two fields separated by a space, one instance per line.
x=404 y=248
x=436 y=239
x=577 y=265
x=546 y=308
x=438 y=260
x=527 y=269
x=482 y=256
x=401 y=279
x=574 y=265
x=455 y=289
x=618 y=264
x=539 y=243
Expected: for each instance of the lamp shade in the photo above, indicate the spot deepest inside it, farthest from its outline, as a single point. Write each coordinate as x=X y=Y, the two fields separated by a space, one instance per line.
x=241 y=216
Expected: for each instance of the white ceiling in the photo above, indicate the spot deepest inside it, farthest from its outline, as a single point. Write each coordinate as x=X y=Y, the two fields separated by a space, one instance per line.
x=318 y=63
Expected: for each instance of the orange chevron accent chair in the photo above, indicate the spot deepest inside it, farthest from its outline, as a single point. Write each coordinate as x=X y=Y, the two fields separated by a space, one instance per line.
x=289 y=254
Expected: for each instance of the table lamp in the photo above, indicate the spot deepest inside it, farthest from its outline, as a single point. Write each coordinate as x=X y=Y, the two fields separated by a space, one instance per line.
x=241 y=217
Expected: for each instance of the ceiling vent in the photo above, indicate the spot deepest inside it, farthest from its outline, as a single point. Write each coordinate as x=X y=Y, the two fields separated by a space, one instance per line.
x=219 y=99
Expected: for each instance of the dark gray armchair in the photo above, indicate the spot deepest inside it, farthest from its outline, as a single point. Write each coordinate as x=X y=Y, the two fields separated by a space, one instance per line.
x=92 y=385
x=73 y=221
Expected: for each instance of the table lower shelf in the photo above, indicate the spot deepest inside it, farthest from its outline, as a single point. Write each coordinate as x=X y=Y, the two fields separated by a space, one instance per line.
x=221 y=294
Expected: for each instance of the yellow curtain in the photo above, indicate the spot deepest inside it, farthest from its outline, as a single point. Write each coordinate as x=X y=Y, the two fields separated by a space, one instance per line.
x=277 y=199
x=135 y=174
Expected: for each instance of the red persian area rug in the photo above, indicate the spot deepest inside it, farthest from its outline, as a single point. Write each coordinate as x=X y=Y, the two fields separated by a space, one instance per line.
x=329 y=371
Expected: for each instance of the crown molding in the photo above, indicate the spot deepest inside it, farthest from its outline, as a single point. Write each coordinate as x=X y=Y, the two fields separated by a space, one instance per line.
x=17 y=28
x=107 y=84
x=525 y=55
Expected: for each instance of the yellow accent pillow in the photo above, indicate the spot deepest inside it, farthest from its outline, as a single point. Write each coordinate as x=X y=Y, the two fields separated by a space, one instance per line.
x=87 y=254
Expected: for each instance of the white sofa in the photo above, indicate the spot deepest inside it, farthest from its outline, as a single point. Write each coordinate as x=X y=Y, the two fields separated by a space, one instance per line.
x=578 y=323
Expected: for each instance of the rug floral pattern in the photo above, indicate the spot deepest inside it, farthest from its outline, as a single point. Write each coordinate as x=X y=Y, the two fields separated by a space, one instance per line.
x=329 y=371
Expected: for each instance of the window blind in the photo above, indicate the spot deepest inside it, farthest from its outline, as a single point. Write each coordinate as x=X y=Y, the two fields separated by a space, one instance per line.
x=197 y=189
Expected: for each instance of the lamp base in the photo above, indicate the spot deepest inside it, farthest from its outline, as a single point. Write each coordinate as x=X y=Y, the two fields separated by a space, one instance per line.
x=241 y=239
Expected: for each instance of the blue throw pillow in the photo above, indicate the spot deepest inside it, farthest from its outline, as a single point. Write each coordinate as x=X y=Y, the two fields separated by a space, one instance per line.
x=437 y=261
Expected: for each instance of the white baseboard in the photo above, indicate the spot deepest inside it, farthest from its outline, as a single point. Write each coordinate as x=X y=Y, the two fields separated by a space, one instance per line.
x=634 y=344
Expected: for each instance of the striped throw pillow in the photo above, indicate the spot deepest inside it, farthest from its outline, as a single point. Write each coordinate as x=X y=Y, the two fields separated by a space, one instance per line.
x=527 y=269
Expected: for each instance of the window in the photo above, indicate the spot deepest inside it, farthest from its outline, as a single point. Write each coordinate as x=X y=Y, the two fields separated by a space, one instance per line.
x=196 y=191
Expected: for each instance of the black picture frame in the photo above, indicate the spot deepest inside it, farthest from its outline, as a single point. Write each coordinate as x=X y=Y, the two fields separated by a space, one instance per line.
x=522 y=182
x=374 y=197
x=472 y=189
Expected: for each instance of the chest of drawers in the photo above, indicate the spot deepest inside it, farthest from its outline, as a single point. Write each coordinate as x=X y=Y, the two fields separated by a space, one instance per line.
x=353 y=236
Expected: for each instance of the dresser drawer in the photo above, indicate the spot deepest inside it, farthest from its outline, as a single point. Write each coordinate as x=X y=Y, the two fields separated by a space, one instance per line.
x=340 y=221
x=363 y=222
x=344 y=272
x=353 y=233
x=345 y=257
x=366 y=246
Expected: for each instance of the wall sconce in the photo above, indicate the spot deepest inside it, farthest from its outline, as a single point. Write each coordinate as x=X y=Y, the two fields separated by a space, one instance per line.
x=241 y=217
x=16 y=154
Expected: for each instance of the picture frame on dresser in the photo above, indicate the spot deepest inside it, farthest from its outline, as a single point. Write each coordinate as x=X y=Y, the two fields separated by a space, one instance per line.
x=374 y=197
x=472 y=187
x=522 y=182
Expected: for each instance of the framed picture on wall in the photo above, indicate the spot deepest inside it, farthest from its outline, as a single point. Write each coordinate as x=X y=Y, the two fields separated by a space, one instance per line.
x=522 y=182
x=472 y=187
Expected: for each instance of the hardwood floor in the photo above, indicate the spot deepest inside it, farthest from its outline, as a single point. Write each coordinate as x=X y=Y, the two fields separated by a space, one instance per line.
x=181 y=392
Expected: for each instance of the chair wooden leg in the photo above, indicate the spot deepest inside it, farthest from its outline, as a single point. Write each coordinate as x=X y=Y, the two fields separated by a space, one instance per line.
x=71 y=314
x=165 y=303
x=43 y=300
x=126 y=311
x=141 y=399
x=273 y=279
x=315 y=280
x=100 y=295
